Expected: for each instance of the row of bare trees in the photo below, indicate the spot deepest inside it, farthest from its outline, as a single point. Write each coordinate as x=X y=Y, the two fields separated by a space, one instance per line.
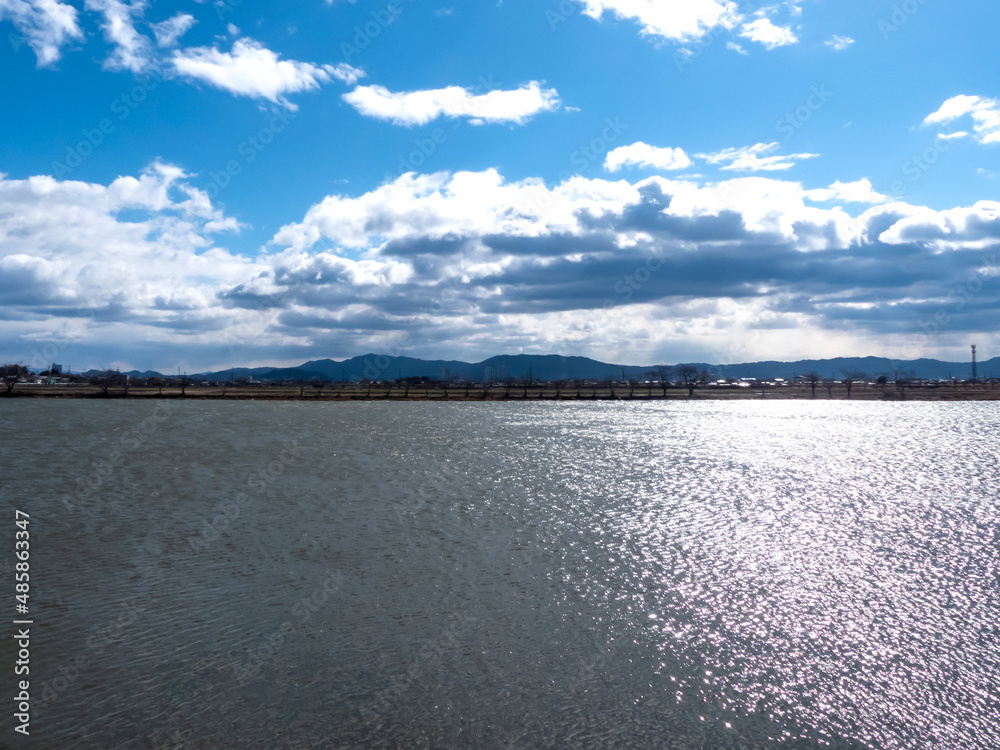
x=900 y=379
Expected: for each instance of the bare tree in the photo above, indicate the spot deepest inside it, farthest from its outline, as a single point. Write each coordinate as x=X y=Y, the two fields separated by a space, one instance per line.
x=610 y=383
x=851 y=377
x=828 y=383
x=560 y=385
x=663 y=375
x=104 y=381
x=319 y=385
x=902 y=379
x=12 y=375
x=812 y=378
x=690 y=376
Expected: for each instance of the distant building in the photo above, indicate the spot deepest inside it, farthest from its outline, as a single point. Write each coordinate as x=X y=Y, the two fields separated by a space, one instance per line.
x=56 y=369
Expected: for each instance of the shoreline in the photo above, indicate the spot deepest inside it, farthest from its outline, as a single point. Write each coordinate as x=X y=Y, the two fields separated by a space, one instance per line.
x=514 y=393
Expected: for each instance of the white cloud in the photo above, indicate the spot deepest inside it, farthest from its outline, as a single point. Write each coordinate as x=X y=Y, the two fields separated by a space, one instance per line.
x=765 y=32
x=839 y=43
x=46 y=26
x=420 y=107
x=985 y=115
x=68 y=240
x=956 y=227
x=472 y=261
x=168 y=32
x=254 y=71
x=737 y=48
x=462 y=204
x=449 y=207
x=860 y=191
x=132 y=49
x=643 y=155
x=676 y=21
x=952 y=136
x=756 y=158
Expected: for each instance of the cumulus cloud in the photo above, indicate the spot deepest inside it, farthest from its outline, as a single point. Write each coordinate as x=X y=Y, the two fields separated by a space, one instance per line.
x=168 y=32
x=978 y=225
x=643 y=155
x=420 y=107
x=839 y=43
x=45 y=25
x=544 y=260
x=764 y=31
x=472 y=262
x=860 y=191
x=985 y=114
x=80 y=253
x=254 y=71
x=132 y=50
x=757 y=158
x=677 y=21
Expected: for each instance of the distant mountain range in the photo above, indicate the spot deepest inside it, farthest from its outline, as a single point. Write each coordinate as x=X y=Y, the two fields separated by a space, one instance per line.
x=554 y=367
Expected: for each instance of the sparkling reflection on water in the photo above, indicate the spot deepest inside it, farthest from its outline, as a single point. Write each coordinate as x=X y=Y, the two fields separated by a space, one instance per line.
x=793 y=574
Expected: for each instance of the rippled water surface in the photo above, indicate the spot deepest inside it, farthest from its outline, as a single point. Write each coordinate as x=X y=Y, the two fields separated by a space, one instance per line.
x=678 y=575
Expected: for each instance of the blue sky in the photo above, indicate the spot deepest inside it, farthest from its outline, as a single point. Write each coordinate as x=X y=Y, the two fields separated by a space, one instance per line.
x=204 y=184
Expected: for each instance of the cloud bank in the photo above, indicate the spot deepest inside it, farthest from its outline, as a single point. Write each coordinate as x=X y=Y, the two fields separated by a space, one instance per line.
x=469 y=263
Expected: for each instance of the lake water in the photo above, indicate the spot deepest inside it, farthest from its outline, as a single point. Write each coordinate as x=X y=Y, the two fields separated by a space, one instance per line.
x=493 y=575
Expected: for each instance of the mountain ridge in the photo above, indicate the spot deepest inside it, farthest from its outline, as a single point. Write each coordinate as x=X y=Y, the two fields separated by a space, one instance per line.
x=373 y=366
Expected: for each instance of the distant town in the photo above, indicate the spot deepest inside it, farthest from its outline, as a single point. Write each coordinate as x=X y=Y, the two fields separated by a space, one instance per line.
x=525 y=377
